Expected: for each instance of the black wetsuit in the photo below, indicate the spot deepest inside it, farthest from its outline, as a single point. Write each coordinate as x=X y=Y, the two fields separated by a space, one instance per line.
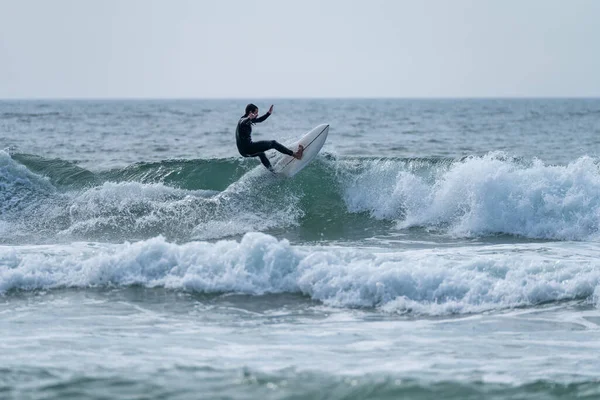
x=248 y=148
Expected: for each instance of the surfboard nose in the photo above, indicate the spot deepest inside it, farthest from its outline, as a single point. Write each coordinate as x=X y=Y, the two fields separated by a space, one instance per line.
x=322 y=128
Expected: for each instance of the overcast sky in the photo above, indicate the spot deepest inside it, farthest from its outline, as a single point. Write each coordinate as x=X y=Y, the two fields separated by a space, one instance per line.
x=302 y=48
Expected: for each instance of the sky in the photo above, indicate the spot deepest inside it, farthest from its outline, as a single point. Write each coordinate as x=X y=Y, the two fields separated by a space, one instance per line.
x=303 y=48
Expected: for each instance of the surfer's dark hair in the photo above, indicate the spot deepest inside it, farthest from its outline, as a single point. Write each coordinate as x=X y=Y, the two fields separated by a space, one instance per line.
x=250 y=108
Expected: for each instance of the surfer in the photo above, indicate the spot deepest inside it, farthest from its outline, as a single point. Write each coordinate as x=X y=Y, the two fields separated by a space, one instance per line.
x=248 y=148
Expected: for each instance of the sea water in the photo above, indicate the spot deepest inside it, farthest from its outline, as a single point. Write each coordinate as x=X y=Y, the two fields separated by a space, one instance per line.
x=434 y=249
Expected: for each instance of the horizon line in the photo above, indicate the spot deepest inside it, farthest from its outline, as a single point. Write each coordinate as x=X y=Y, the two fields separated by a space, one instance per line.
x=132 y=98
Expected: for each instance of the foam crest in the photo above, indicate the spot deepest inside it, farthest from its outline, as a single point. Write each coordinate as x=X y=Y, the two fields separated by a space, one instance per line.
x=486 y=195
x=430 y=282
x=131 y=210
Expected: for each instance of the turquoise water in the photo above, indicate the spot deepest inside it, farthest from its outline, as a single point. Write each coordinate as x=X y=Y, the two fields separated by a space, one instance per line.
x=435 y=249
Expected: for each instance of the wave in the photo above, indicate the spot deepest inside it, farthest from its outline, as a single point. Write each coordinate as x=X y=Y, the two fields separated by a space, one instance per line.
x=203 y=200
x=211 y=174
x=487 y=195
x=182 y=174
x=424 y=281
x=336 y=197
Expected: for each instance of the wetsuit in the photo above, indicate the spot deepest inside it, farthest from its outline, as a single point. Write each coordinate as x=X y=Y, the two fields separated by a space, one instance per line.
x=248 y=148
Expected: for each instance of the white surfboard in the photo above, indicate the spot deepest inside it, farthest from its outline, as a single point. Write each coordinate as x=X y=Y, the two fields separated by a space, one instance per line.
x=312 y=141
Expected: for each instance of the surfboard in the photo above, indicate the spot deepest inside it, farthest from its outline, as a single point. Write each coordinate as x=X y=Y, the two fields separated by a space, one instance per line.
x=312 y=141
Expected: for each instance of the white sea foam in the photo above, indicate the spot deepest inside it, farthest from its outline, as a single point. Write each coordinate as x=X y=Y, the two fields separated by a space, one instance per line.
x=249 y=205
x=487 y=195
x=425 y=281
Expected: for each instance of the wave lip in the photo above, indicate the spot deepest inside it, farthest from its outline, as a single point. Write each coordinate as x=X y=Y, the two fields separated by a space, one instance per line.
x=428 y=282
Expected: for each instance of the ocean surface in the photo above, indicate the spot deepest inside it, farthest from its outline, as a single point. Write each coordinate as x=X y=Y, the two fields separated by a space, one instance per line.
x=436 y=249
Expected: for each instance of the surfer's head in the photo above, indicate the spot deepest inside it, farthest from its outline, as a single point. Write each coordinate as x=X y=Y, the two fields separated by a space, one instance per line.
x=251 y=109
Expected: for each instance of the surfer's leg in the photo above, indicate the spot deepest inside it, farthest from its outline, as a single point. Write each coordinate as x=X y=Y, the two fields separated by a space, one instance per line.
x=263 y=145
x=281 y=148
x=265 y=161
x=257 y=149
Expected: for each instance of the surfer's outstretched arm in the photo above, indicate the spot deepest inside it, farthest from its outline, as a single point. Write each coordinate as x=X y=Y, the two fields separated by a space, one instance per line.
x=261 y=119
x=249 y=121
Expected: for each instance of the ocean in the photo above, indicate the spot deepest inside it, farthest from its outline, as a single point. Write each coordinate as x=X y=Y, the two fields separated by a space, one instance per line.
x=435 y=249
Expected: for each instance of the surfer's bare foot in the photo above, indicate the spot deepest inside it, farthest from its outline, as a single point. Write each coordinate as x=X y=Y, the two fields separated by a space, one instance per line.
x=298 y=154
